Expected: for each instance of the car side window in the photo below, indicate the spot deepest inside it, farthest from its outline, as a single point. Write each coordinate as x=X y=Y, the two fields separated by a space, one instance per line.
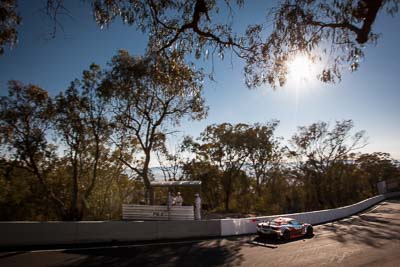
x=294 y=222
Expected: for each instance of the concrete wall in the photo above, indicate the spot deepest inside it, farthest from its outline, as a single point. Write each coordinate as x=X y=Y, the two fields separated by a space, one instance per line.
x=45 y=233
x=248 y=225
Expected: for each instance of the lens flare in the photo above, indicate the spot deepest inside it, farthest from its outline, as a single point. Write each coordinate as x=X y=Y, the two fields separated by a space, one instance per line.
x=301 y=69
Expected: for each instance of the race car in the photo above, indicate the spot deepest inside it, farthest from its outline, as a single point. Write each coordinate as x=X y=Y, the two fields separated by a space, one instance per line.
x=284 y=228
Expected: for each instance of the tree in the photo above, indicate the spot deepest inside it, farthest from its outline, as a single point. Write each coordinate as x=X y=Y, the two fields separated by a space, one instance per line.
x=9 y=20
x=32 y=123
x=25 y=124
x=223 y=146
x=171 y=162
x=146 y=95
x=331 y=31
x=81 y=125
x=113 y=188
x=264 y=151
x=210 y=177
x=339 y=27
x=324 y=156
x=321 y=147
x=376 y=167
x=18 y=194
x=241 y=163
x=336 y=30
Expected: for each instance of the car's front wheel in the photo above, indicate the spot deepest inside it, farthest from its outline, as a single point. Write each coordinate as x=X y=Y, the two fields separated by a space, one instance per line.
x=286 y=235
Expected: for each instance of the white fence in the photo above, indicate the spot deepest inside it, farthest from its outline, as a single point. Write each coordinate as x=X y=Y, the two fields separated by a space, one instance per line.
x=159 y=213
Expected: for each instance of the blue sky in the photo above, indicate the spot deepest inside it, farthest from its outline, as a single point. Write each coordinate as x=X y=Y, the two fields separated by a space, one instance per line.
x=370 y=96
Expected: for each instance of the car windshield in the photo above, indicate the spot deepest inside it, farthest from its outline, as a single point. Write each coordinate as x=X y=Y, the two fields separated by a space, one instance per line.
x=277 y=222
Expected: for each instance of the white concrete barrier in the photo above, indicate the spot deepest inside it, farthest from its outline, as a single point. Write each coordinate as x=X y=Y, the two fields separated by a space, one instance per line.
x=248 y=225
x=51 y=233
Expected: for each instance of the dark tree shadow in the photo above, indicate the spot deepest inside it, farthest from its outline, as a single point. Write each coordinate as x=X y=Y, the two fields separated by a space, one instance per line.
x=210 y=253
x=371 y=228
x=273 y=242
x=11 y=254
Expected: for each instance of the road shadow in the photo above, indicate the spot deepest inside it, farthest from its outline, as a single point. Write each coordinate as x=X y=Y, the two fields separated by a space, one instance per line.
x=207 y=253
x=273 y=243
x=372 y=228
x=11 y=254
x=263 y=242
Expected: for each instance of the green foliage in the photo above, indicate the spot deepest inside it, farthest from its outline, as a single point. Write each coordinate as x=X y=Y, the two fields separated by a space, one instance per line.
x=326 y=174
x=9 y=20
x=246 y=169
x=146 y=96
x=84 y=152
x=222 y=146
x=232 y=150
x=334 y=32
x=79 y=144
x=376 y=167
x=211 y=178
x=81 y=124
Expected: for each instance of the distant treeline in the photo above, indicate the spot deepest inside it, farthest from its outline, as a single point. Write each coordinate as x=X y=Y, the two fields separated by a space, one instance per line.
x=247 y=169
x=82 y=153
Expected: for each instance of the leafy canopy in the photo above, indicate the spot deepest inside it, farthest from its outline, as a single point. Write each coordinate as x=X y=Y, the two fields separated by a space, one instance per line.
x=333 y=32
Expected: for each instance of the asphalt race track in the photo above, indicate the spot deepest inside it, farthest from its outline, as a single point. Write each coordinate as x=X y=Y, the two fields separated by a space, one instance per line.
x=368 y=239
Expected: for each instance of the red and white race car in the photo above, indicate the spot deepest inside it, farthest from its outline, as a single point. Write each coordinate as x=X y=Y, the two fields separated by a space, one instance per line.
x=284 y=228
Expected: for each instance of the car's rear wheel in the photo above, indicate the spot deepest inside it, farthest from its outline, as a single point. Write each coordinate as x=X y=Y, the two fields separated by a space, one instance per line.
x=310 y=231
x=286 y=235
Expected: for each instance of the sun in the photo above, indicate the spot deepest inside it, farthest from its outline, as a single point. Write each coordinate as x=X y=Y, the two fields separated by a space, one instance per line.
x=301 y=69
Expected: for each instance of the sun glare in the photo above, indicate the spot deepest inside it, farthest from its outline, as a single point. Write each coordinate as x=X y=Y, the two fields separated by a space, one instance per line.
x=301 y=69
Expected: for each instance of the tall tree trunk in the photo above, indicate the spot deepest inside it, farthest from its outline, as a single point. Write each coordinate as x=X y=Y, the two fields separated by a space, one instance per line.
x=59 y=204
x=227 y=199
x=146 y=179
x=228 y=190
x=74 y=209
